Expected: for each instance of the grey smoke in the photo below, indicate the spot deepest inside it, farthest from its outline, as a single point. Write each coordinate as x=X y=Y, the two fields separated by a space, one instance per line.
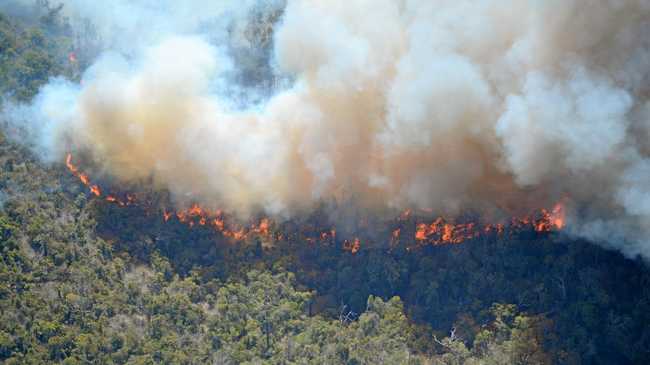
x=492 y=106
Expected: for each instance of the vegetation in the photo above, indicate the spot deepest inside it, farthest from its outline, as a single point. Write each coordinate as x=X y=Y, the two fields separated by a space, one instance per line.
x=31 y=53
x=83 y=281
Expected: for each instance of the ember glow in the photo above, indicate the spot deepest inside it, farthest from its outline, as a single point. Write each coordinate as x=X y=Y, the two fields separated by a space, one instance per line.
x=437 y=232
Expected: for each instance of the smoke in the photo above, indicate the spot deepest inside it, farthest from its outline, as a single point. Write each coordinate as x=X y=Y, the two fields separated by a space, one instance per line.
x=455 y=106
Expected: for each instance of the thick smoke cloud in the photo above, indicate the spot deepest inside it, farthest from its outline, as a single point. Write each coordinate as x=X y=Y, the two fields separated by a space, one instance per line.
x=457 y=106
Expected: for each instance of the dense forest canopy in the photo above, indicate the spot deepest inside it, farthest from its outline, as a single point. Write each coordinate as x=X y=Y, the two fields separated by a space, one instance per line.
x=87 y=280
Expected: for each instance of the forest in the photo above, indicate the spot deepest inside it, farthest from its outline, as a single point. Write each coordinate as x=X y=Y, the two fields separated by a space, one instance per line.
x=84 y=280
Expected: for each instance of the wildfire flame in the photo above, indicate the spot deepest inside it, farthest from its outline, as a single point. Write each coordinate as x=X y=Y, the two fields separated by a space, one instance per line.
x=439 y=231
x=93 y=188
x=353 y=246
x=196 y=214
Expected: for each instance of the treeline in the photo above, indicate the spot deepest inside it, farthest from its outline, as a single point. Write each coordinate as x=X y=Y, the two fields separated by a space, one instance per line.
x=590 y=305
x=69 y=296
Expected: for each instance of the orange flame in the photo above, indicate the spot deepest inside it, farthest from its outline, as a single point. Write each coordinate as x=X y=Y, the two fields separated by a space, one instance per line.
x=437 y=232
x=71 y=167
x=558 y=216
x=196 y=214
x=353 y=246
x=94 y=189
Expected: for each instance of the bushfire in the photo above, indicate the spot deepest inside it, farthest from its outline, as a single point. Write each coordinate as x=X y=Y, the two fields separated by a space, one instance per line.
x=437 y=232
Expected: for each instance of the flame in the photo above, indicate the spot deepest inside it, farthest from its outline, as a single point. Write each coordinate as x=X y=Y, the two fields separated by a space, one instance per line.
x=94 y=189
x=196 y=214
x=353 y=246
x=71 y=167
x=551 y=220
x=218 y=224
x=263 y=228
x=558 y=216
x=440 y=231
x=437 y=232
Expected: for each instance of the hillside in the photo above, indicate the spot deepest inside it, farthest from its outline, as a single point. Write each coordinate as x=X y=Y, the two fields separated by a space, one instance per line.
x=85 y=280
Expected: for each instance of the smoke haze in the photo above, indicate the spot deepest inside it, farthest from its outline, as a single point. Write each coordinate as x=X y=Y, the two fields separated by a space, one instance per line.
x=456 y=106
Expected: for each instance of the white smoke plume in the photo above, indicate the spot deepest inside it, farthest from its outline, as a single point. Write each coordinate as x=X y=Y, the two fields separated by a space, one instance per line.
x=454 y=106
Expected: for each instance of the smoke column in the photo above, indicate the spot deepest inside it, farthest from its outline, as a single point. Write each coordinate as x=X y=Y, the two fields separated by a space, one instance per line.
x=455 y=106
